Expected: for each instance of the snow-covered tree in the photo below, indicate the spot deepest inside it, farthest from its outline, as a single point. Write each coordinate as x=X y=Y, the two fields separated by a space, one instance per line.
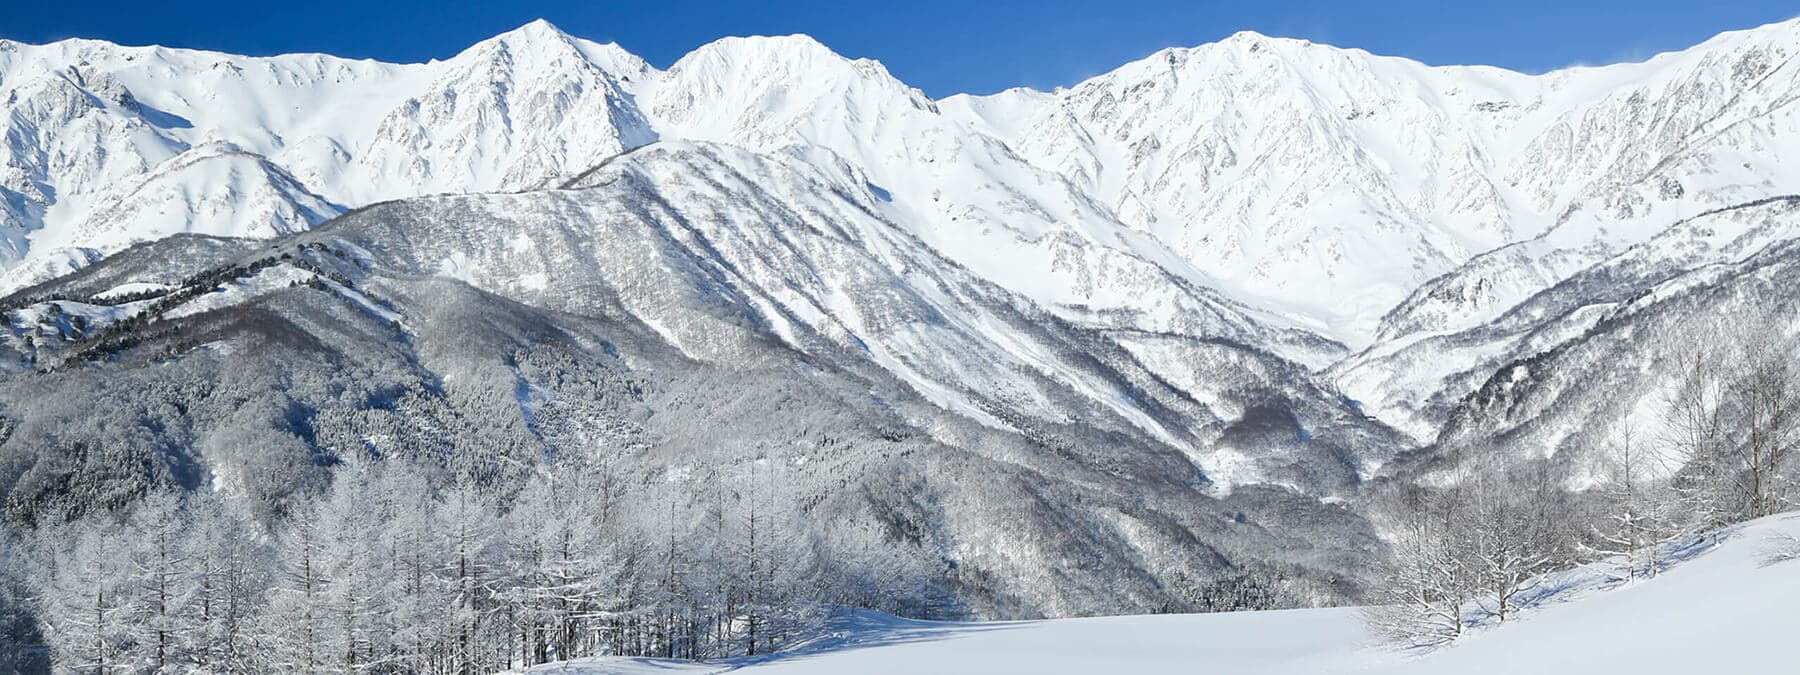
x=1420 y=602
x=417 y=587
x=1696 y=442
x=1765 y=405
x=87 y=605
x=1516 y=529
x=295 y=629
x=18 y=625
x=1633 y=513
x=1477 y=544
x=564 y=570
x=472 y=563
x=166 y=610
x=352 y=518
x=232 y=564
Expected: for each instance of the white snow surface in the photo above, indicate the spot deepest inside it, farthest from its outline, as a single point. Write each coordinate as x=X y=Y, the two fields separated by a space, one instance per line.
x=1721 y=607
x=1319 y=185
x=1305 y=200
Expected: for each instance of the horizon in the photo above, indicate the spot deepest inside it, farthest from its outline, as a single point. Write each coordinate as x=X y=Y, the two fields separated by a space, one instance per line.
x=1030 y=60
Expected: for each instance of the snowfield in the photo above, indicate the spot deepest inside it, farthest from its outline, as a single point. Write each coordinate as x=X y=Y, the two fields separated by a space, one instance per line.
x=1724 y=607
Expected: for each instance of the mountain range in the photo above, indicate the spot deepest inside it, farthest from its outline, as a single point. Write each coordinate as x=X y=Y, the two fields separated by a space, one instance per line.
x=1074 y=340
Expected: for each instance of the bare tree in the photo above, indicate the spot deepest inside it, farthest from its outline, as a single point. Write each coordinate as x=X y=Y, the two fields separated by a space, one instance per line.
x=1474 y=546
x=88 y=603
x=165 y=582
x=1421 y=603
x=1731 y=424
x=1514 y=532
x=1765 y=402
x=1633 y=513
x=1695 y=440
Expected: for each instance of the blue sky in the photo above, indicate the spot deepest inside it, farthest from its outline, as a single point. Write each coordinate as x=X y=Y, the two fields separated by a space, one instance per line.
x=941 y=46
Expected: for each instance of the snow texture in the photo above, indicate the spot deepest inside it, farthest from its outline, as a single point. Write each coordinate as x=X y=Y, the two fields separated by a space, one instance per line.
x=1723 y=607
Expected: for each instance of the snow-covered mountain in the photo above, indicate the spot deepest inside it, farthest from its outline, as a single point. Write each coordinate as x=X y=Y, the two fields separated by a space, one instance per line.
x=691 y=308
x=1331 y=183
x=88 y=123
x=1322 y=187
x=1198 y=301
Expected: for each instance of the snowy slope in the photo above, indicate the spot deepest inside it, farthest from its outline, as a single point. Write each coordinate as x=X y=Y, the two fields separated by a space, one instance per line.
x=761 y=304
x=1235 y=251
x=1330 y=183
x=722 y=249
x=1315 y=187
x=1414 y=381
x=86 y=121
x=1727 y=609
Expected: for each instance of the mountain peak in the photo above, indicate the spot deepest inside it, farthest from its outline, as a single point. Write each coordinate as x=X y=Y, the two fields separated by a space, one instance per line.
x=786 y=57
x=1255 y=41
x=538 y=34
x=538 y=41
x=782 y=47
x=541 y=41
x=537 y=29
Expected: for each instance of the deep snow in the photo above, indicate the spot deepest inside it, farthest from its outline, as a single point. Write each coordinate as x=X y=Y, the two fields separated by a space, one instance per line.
x=1723 y=607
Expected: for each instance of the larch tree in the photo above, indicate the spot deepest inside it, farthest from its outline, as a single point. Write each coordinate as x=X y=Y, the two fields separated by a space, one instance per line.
x=165 y=617
x=87 y=608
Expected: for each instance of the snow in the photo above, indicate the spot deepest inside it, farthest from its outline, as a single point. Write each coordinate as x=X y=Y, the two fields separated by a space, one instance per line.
x=1387 y=227
x=1718 y=608
x=240 y=291
x=132 y=288
x=1314 y=187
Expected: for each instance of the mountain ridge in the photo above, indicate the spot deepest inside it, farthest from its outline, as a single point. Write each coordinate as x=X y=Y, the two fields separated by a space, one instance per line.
x=1070 y=352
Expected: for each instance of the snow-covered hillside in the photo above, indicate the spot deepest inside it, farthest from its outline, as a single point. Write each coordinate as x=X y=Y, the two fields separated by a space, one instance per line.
x=1156 y=456
x=1293 y=197
x=1323 y=184
x=1726 y=608
x=1097 y=350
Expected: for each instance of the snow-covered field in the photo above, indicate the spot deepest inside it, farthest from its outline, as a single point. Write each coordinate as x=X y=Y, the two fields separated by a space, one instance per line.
x=1726 y=608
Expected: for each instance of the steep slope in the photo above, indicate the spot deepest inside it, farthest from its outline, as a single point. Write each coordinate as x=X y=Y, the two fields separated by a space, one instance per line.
x=87 y=118
x=792 y=252
x=966 y=194
x=774 y=302
x=1416 y=381
x=1567 y=400
x=1678 y=136
x=1329 y=183
x=1317 y=181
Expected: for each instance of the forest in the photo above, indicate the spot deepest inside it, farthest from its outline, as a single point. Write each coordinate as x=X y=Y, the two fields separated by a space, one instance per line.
x=1472 y=544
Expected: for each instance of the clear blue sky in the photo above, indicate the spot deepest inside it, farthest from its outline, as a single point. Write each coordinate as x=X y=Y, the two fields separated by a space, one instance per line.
x=941 y=46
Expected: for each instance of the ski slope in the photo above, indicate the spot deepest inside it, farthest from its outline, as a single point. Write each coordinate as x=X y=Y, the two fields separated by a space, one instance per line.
x=1724 y=607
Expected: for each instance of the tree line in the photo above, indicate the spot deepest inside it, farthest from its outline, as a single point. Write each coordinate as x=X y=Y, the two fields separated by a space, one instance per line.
x=393 y=569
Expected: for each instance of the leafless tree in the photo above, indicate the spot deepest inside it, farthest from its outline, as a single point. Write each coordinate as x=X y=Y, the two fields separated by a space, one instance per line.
x=1765 y=402
x=1421 y=603
x=1633 y=514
